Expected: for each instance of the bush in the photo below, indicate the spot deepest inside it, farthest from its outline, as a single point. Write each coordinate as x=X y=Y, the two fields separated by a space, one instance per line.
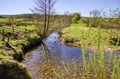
x=76 y=17
x=86 y=21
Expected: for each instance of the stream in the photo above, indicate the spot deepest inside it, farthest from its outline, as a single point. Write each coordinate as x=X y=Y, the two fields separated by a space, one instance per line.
x=58 y=51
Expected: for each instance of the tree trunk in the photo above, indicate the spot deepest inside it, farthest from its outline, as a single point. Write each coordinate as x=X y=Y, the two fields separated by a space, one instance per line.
x=45 y=17
x=49 y=8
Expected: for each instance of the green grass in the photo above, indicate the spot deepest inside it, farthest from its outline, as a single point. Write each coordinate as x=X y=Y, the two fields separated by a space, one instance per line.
x=3 y=20
x=81 y=23
x=74 y=32
x=21 y=33
x=97 y=65
x=6 y=20
x=94 y=67
x=23 y=37
x=18 y=28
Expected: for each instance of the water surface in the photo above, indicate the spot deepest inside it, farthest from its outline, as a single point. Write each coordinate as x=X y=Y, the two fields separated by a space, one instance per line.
x=58 y=51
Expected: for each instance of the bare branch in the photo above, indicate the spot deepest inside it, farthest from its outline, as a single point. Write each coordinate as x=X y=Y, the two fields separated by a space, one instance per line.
x=46 y=9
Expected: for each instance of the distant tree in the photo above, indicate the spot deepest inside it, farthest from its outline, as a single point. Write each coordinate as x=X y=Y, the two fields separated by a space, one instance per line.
x=46 y=9
x=76 y=17
x=96 y=13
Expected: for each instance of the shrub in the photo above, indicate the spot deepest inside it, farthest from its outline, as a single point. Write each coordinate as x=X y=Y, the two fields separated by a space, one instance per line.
x=76 y=17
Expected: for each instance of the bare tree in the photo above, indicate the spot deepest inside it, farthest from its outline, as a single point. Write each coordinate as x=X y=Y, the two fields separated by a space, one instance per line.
x=95 y=14
x=45 y=8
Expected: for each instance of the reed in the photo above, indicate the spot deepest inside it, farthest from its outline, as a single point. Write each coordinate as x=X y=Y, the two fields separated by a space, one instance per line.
x=98 y=65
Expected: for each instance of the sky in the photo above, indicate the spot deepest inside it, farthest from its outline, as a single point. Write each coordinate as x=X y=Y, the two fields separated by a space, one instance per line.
x=82 y=6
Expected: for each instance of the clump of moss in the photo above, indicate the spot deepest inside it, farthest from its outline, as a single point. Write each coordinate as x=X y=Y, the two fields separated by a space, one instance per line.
x=31 y=42
x=10 y=53
x=11 y=69
x=18 y=55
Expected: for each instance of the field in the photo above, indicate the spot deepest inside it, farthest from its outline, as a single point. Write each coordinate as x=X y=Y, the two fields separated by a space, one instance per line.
x=47 y=39
x=100 y=65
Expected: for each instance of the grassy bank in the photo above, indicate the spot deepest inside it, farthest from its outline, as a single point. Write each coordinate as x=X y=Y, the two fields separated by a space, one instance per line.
x=17 y=37
x=12 y=51
x=72 y=35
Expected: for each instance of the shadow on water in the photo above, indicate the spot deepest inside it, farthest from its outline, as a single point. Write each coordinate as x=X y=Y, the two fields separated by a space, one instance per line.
x=52 y=49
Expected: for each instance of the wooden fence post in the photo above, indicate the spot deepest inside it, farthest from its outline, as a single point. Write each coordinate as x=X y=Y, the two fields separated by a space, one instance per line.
x=3 y=37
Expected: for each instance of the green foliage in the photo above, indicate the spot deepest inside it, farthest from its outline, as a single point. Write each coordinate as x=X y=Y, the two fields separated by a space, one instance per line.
x=76 y=17
x=18 y=55
x=31 y=41
x=13 y=70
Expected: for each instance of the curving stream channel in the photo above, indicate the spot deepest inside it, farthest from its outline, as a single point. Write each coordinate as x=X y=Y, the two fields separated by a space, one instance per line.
x=58 y=51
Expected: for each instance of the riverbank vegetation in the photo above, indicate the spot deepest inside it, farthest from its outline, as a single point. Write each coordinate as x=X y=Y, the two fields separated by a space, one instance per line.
x=16 y=39
x=81 y=34
x=100 y=64
x=99 y=33
x=72 y=36
x=89 y=27
x=12 y=49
